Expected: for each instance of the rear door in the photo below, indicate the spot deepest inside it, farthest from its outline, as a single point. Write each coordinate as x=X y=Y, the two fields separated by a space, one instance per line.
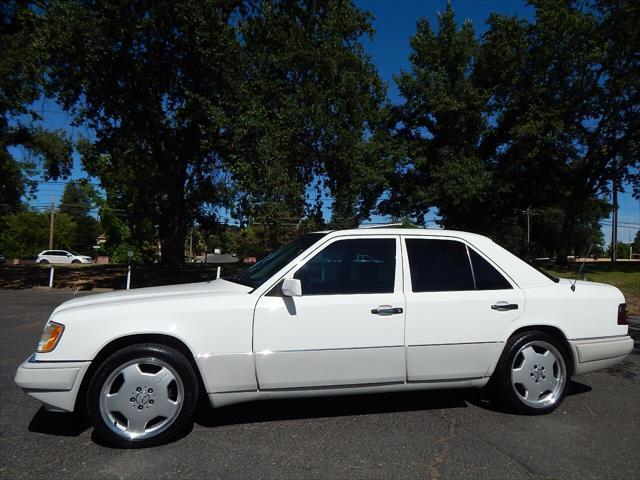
x=60 y=256
x=458 y=304
x=346 y=329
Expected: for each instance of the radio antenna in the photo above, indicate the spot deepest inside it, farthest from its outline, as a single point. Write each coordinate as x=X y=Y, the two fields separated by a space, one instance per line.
x=584 y=260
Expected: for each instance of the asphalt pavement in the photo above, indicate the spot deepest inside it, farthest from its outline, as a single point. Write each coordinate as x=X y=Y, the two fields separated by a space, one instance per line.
x=595 y=433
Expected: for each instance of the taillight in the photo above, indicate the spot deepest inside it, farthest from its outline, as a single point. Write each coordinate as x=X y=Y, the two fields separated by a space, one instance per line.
x=622 y=314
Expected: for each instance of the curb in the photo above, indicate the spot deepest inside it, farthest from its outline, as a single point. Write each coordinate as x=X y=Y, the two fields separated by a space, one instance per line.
x=67 y=289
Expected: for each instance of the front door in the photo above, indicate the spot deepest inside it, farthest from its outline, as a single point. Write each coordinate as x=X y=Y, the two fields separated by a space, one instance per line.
x=346 y=329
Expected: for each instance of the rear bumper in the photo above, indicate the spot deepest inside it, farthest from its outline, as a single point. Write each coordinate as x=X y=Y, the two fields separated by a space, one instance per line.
x=596 y=353
x=56 y=384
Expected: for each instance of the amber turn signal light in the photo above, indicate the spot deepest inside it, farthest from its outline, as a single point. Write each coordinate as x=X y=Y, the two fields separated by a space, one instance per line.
x=50 y=337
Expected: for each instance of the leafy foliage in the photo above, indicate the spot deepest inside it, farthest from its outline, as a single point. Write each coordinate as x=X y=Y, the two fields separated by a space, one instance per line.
x=532 y=115
x=21 y=70
x=26 y=233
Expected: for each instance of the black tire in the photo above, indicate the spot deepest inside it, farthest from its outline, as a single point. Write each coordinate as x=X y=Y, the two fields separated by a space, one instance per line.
x=181 y=368
x=75 y=261
x=44 y=261
x=504 y=388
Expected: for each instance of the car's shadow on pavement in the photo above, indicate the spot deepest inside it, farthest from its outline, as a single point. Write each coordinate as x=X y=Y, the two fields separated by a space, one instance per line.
x=72 y=425
x=319 y=407
x=58 y=423
x=339 y=406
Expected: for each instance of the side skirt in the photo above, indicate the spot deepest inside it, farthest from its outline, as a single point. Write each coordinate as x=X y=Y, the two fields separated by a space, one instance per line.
x=221 y=399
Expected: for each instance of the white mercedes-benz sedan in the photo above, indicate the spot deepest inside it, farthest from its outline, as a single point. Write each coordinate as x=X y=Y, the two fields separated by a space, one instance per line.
x=332 y=313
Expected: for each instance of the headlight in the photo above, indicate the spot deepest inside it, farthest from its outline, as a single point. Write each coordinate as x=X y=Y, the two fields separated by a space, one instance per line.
x=50 y=337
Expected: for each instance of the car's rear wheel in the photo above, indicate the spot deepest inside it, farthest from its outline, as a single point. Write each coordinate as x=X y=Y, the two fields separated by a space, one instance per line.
x=44 y=261
x=531 y=376
x=142 y=395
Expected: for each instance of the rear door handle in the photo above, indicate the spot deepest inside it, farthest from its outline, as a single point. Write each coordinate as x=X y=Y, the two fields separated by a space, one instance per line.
x=386 y=311
x=504 y=306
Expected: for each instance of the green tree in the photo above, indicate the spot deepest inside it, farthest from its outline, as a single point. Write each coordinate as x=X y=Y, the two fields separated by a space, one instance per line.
x=77 y=202
x=565 y=104
x=636 y=243
x=26 y=233
x=532 y=116
x=155 y=81
x=313 y=104
x=21 y=69
x=440 y=122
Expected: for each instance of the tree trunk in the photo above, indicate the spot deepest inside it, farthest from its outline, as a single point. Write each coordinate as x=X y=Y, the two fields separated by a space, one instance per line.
x=575 y=204
x=172 y=231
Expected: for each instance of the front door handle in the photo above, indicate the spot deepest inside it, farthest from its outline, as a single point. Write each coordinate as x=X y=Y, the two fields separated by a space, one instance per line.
x=504 y=306
x=386 y=311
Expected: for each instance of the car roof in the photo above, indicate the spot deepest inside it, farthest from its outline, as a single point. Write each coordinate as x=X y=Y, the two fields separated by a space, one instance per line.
x=383 y=230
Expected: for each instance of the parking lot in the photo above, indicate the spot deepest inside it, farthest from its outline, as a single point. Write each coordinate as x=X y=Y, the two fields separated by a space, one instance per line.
x=595 y=433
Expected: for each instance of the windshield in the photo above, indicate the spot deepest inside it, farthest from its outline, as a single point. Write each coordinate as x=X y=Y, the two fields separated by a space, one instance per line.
x=259 y=273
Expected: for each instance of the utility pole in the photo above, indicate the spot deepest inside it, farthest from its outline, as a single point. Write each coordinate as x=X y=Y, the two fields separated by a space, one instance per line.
x=614 y=227
x=528 y=213
x=51 y=227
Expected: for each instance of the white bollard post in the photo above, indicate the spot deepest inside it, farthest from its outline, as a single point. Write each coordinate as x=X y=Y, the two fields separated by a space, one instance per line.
x=51 y=277
x=218 y=273
x=128 y=277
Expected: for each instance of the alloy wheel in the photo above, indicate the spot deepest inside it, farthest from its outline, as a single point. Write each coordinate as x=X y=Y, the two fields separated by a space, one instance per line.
x=538 y=374
x=141 y=398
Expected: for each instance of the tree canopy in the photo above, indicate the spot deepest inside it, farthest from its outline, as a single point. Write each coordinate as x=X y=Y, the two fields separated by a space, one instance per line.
x=21 y=69
x=540 y=115
x=270 y=114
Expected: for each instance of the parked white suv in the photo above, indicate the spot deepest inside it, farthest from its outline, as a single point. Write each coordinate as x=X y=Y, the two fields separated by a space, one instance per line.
x=331 y=313
x=61 y=256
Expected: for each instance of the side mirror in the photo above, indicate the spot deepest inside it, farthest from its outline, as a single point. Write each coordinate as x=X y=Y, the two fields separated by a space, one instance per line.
x=69 y=255
x=291 y=287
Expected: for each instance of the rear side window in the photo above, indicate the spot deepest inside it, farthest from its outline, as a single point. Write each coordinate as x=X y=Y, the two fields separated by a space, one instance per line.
x=439 y=265
x=487 y=277
x=351 y=266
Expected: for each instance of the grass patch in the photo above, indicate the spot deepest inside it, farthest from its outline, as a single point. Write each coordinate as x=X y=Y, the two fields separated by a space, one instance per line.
x=625 y=276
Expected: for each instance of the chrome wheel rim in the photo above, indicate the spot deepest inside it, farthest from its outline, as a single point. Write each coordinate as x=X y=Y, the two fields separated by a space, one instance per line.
x=141 y=398
x=538 y=374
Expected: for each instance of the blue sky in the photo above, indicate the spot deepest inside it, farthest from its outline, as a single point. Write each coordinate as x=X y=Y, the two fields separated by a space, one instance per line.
x=394 y=23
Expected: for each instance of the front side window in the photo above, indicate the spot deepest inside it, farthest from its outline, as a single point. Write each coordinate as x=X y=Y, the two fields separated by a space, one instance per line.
x=275 y=261
x=351 y=267
x=439 y=265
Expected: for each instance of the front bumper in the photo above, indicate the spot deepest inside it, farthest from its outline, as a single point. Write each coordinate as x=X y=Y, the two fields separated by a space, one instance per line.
x=56 y=384
x=596 y=353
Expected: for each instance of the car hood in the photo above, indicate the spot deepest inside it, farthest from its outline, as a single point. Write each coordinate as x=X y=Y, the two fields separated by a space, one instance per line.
x=214 y=287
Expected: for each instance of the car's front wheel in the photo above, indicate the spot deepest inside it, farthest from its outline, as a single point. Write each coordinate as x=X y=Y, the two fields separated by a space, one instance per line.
x=142 y=395
x=531 y=376
x=75 y=261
